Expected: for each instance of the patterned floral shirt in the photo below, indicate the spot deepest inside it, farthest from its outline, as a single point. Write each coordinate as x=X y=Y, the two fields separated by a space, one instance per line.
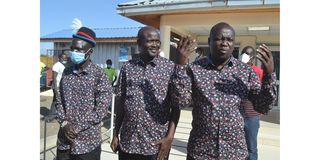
x=83 y=101
x=218 y=126
x=144 y=89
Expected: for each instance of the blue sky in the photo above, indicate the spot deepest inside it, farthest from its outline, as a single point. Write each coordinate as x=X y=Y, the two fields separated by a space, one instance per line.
x=56 y=15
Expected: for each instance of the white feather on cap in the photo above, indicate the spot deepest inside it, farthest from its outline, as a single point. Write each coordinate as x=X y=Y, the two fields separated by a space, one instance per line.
x=76 y=25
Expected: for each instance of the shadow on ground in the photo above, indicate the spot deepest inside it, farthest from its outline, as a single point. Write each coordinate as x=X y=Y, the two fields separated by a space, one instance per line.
x=272 y=117
x=180 y=146
x=44 y=111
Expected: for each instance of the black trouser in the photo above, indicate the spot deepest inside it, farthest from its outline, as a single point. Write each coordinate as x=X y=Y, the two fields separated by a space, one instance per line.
x=65 y=155
x=127 y=156
x=189 y=157
x=53 y=109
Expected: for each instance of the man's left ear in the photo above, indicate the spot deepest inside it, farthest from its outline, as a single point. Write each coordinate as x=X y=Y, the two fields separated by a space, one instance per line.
x=138 y=41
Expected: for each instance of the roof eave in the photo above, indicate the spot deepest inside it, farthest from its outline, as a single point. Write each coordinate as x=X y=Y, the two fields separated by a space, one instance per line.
x=186 y=7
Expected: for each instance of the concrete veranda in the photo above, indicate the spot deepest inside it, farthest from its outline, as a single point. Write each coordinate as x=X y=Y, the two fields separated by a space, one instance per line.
x=268 y=138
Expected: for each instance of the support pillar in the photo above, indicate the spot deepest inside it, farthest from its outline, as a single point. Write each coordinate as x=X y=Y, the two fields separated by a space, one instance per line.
x=165 y=31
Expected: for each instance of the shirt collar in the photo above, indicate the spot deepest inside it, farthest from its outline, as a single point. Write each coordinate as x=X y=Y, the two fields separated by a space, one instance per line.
x=155 y=61
x=86 y=68
x=206 y=62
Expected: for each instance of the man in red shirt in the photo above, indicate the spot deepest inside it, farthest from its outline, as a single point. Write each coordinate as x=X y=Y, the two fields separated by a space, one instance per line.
x=251 y=117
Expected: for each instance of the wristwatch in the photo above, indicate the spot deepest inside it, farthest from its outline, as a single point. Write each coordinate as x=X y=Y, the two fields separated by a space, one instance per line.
x=64 y=123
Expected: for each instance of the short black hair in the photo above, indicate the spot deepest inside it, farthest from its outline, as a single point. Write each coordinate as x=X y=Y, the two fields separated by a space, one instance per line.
x=219 y=26
x=61 y=54
x=199 y=49
x=142 y=30
x=245 y=49
x=109 y=61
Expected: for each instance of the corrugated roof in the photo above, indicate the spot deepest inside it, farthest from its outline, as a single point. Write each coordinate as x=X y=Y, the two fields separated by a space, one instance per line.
x=126 y=32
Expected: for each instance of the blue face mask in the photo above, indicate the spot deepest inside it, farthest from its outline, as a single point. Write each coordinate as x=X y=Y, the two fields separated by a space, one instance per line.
x=64 y=62
x=109 y=66
x=77 y=57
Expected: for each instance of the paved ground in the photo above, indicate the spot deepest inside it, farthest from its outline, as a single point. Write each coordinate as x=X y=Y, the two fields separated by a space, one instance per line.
x=268 y=138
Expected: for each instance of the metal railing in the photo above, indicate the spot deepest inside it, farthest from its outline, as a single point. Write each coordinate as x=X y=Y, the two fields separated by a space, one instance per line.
x=50 y=119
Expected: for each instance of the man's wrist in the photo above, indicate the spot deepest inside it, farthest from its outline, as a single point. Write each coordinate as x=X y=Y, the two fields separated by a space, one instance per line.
x=267 y=76
x=183 y=61
x=115 y=133
x=170 y=137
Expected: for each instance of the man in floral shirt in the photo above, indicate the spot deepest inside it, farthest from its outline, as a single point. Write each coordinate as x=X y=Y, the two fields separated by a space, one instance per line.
x=85 y=93
x=144 y=111
x=215 y=87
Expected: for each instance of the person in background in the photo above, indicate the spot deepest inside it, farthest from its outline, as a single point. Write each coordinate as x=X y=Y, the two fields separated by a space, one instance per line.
x=82 y=102
x=200 y=53
x=251 y=117
x=110 y=72
x=43 y=81
x=57 y=70
x=112 y=76
x=43 y=67
x=215 y=86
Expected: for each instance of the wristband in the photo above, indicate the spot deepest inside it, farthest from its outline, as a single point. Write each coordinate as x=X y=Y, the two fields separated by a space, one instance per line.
x=64 y=123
